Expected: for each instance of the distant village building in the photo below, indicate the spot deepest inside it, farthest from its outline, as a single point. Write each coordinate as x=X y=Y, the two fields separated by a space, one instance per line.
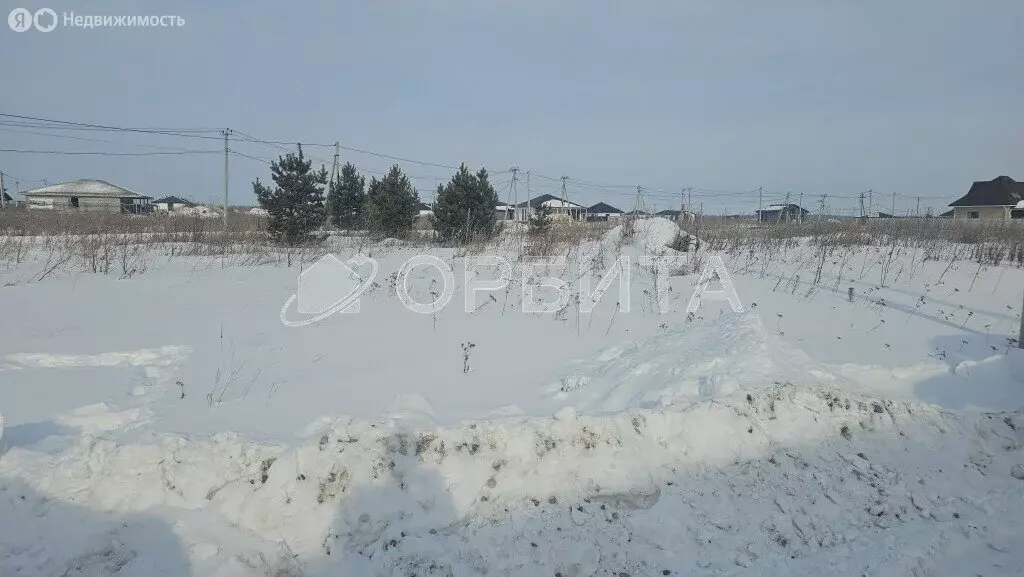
x=603 y=211
x=680 y=216
x=556 y=207
x=171 y=204
x=997 y=199
x=504 y=212
x=781 y=213
x=85 y=194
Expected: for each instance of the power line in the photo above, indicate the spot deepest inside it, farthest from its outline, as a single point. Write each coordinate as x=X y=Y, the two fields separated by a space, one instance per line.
x=276 y=143
x=86 y=139
x=183 y=132
x=98 y=153
x=12 y=122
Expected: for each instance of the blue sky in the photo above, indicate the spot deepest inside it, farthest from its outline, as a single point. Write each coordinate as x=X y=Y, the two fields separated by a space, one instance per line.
x=918 y=98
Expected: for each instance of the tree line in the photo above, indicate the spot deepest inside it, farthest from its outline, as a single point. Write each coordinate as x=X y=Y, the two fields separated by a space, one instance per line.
x=302 y=202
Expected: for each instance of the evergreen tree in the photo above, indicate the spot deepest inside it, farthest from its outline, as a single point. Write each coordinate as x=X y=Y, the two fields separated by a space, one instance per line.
x=391 y=204
x=346 y=197
x=540 y=220
x=465 y=206
x=296 y=204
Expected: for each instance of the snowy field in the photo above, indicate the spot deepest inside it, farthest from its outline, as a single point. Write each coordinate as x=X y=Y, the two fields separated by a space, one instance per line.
x=169 y=423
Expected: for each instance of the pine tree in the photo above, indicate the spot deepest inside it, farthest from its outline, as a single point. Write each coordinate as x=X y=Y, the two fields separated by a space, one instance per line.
x=465 y=206
x=346 y=197
x=540 y=220
x=296 y=204
x=391 y=204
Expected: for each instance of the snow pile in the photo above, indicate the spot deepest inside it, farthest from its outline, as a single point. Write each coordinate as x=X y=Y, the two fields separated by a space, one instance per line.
x=696 y=360
x=649 y=235
x=258 y=211
x=783 y=481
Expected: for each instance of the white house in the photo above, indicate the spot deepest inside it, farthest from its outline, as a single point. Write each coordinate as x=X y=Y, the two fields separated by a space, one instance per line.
x=556 y=207
x=87 y=194
x=171 y=204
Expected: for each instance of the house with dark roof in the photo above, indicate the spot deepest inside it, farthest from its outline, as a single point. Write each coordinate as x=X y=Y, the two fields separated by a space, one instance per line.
x=87 y=194
x=602 y=211
x=171 y=204
x=781 y=213
x=554 y=205
x=997 y=199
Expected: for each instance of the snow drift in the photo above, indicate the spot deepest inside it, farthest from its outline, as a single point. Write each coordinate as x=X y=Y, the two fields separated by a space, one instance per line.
x=783 y=481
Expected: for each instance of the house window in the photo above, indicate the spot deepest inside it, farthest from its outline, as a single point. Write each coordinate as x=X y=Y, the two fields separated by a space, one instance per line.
x=972 y=214
x=74 y=202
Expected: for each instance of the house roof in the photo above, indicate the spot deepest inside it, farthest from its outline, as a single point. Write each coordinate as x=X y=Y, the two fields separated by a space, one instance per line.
x=174 y=200
x=1000 y=191
x=778 y=207
x=7 y=198
x=549 y=200
x=603 y=207
x=667 y=212
x=85 y=187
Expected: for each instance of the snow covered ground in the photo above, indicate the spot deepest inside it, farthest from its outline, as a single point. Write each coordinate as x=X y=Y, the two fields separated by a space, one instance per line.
x=169 y=423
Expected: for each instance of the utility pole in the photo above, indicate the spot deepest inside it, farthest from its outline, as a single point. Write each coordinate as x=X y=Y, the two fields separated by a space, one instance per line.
x=334 y=165
x=760 y=204
x=894 y=204
x=226 y=132
x=526 y=213
x=871 y=203
x=862 y=206
x=565 y=199
x=800 y=206
x=785 y=210
x=639 y=204
x=917 y=211
x=514 y=193
x=3 y=191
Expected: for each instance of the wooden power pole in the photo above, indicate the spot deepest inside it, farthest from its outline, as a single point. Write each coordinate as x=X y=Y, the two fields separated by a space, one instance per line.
x=226 y=132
